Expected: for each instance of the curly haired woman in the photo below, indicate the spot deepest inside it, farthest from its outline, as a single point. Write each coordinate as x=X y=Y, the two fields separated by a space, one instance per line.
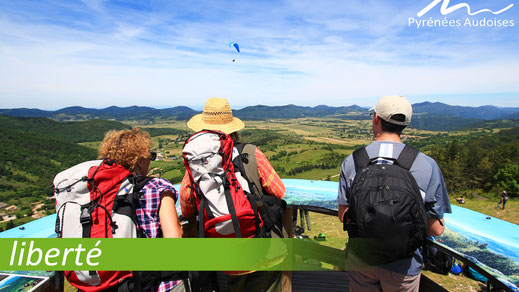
x=157 y=214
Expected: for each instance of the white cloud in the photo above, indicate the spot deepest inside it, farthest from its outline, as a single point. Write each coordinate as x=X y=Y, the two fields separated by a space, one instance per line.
x=307 y=53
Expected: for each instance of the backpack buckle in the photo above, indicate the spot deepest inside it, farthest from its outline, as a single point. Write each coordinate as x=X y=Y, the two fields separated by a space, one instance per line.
x=85 y=217
x=225 y=180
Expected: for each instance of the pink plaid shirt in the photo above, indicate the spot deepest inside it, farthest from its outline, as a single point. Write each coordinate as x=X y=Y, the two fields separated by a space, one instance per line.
x=148 y=216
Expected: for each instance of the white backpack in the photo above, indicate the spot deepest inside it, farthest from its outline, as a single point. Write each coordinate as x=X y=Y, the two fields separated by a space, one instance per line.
x=226 y=208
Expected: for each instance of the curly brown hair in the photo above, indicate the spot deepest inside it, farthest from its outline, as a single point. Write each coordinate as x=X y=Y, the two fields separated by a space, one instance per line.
x=126 y=147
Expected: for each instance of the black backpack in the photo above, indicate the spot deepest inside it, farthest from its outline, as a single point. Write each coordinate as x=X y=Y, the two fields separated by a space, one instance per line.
x=386 y=217
x=271 y=209
x=437 y=261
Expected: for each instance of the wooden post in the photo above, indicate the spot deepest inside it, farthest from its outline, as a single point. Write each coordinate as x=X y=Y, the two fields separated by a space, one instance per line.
x=286 y=277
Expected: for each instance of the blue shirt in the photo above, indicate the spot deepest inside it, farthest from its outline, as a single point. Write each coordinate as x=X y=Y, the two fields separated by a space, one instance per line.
x=429 y=178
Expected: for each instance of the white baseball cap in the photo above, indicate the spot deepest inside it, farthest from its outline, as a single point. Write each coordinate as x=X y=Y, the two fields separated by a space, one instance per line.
x=388 y=106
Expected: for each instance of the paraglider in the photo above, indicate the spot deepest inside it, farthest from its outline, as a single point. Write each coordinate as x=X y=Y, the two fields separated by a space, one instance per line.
x=235 y=46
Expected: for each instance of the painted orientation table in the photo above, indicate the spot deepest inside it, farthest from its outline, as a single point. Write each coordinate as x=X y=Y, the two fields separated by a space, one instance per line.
x=482 y=238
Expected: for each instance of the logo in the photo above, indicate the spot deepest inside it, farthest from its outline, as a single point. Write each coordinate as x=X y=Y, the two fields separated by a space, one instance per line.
x=470 y=21
x=445 y=9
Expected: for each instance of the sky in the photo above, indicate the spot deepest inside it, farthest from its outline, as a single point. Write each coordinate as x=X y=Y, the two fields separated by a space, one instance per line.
x=166 y=53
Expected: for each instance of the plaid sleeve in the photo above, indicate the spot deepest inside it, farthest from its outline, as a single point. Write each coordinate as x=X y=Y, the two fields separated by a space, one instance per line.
x=187 y=198
x=270 y=180
x=148 y=211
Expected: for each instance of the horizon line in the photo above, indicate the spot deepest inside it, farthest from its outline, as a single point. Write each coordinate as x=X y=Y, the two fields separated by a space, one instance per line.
x=240 y=107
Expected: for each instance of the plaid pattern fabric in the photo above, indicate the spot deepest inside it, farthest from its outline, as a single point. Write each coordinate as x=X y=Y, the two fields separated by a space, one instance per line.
x=269 y=178
x=270 y=181
x=148 y=216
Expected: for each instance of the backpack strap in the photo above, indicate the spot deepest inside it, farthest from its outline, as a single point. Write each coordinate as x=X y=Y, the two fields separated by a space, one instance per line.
x=201 y=233
x=407 y=157
x=128 y=204
x=269 y=207
x=248 y=167
x=246 y=163
x=230 y=205
x=361 y=158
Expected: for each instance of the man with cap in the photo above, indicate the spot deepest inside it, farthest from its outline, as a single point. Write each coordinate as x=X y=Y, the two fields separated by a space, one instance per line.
x=390 y=116
x=217 y=115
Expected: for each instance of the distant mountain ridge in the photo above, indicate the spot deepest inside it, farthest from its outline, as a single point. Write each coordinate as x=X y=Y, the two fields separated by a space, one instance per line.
x=428 y=115
x=112 y=112
x=486 y=112
x=294 y=111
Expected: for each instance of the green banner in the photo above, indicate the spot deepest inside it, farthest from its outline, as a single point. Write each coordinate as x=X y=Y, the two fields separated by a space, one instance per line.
x=218 y=254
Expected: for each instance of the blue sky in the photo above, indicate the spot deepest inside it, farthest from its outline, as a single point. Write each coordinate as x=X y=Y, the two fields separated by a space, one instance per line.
x=96 y=53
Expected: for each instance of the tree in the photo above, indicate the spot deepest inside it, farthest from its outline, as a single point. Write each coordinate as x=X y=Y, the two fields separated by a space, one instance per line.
x=508 y=179
x=160 y=143
x=10 y=224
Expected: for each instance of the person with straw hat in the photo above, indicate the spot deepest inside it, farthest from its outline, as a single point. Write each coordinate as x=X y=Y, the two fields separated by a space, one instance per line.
x=217 y=115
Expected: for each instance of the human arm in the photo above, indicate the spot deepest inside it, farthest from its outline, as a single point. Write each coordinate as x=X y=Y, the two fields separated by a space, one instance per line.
x=435 y=227
x=342 y=211
x=269 y=179
x=342 y=199
x=188 y=207
x=168 y=216
x=436 y=202
x=187 y=198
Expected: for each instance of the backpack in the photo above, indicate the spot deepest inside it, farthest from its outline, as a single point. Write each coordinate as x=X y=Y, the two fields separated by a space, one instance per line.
x=226 y=207
x=473 y=274
x=271 y=208
x=386 y=217
x=98 y=199
x=437 y=261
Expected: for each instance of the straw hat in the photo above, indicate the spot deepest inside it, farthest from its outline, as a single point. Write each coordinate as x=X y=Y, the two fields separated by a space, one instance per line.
x=217 y=115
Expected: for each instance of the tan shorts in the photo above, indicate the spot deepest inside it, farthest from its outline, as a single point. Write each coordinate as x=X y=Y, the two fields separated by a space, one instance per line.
x=369 y=278
x=378 y=279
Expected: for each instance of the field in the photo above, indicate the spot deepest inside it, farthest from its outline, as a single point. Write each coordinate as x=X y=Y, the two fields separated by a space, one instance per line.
x=309 y=148
x=312 y=141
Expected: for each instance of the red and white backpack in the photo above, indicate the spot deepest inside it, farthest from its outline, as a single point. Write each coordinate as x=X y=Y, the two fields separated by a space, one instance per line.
x=226 y=207
x=96 y=199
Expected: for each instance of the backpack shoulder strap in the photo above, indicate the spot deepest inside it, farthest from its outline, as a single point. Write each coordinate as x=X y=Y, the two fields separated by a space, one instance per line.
x=141 y=181
x=407 y=157
x=361 y=158
x=250 y=165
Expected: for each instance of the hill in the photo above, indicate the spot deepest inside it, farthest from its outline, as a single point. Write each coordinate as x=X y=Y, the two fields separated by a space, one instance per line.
x=486 y=112
x=92 y=130
x=427 y=115
x=478 y=161
x=30 y=161
x=34 y=150
x=294 y=111
x=76 y=113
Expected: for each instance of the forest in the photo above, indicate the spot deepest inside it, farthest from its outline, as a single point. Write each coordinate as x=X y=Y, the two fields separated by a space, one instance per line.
x=489 y=163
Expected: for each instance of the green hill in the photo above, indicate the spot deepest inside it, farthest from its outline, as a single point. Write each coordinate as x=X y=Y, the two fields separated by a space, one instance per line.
x=34 y=150
x=479 y=161
x=87 y=131
x=29 y=162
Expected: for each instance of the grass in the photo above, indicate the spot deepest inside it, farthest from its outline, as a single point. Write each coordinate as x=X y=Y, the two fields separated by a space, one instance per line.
x=488 y=206
x=18 y=221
